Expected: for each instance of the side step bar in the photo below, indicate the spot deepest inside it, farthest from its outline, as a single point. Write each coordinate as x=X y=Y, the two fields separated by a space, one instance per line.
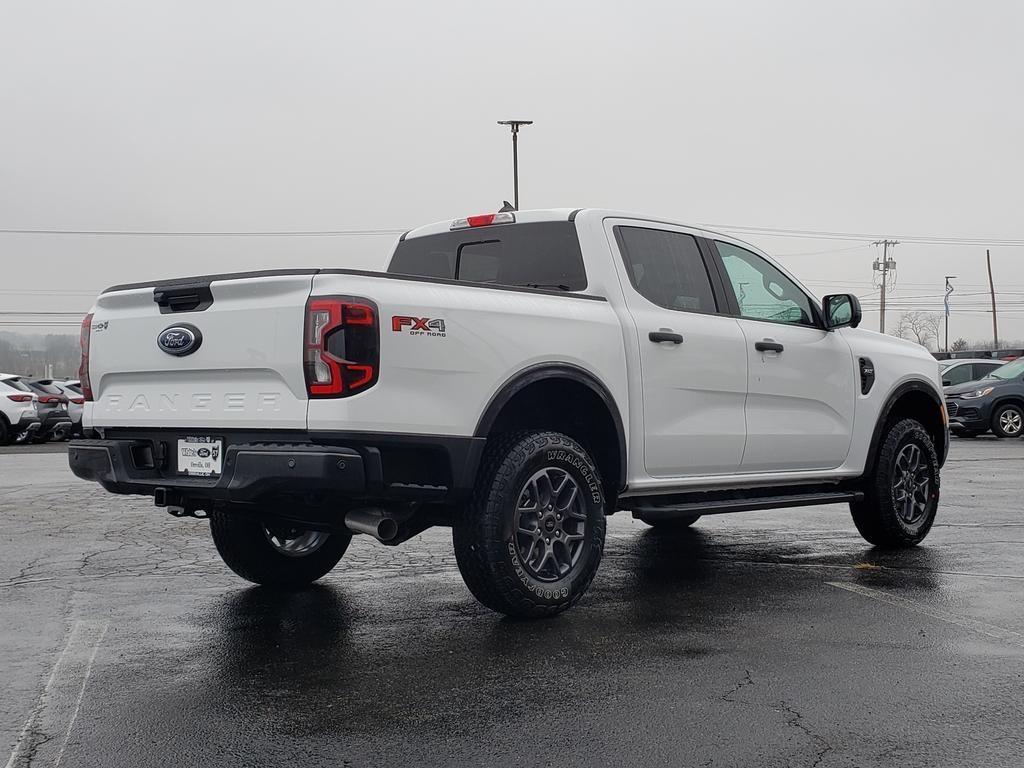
x=722 y=506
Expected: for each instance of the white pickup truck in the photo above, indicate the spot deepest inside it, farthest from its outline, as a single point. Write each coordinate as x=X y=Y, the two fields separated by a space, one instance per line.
x=516 y=376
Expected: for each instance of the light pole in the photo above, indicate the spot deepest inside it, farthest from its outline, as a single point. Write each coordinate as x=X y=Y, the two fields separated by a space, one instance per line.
x=514 y=125
x=945 y=301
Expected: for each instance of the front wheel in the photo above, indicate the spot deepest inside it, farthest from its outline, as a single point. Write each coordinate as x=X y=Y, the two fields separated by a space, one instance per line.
x=530 y=540
x=902 y=495
x=275 y=554
x=1008 y=421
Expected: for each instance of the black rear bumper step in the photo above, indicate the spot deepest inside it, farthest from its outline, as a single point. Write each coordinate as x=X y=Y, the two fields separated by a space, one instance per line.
x=250 y=470
x=722 y=506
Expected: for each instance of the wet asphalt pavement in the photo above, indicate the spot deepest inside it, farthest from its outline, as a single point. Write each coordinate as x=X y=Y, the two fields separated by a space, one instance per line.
x=758 y=639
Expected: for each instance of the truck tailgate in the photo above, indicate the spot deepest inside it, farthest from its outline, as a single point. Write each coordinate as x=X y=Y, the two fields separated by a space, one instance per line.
x=246 y=372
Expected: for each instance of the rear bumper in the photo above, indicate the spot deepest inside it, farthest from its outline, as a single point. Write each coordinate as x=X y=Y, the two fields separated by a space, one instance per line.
x=54 y=422
x=28 y=421
x=261 y=466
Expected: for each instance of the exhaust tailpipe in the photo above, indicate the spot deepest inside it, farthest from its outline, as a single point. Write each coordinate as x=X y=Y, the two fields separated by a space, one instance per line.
x=372 y=522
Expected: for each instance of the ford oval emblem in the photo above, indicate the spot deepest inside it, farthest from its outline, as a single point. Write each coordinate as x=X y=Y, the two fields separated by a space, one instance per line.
x=179 y=340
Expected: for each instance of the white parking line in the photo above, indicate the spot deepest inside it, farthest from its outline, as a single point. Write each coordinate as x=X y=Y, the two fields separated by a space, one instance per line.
x=57 y=708
x=981 y=627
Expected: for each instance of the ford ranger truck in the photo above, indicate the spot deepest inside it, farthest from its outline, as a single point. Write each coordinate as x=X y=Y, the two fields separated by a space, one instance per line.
x=515 y=377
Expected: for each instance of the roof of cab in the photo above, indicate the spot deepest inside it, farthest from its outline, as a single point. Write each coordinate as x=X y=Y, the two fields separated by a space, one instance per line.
x=522 y=217
x=569 y=214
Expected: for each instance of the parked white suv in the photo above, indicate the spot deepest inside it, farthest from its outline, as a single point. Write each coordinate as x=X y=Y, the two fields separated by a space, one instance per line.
x=516 y=376
x=18 y=415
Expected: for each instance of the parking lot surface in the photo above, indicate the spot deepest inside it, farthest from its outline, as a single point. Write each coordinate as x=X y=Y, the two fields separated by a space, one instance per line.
x=758 y=639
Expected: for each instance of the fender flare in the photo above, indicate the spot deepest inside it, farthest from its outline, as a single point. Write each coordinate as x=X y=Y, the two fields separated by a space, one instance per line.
x=913 y=385
x=565 y=372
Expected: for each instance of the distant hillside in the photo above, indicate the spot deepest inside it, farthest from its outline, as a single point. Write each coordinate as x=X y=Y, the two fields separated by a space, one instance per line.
x=52 y=354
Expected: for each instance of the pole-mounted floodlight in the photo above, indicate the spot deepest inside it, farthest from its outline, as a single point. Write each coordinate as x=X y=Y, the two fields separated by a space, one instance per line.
x=514 y=125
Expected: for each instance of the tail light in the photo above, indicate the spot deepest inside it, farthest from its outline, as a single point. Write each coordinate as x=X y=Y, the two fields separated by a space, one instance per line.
x=341 y=346
x=20 y=398
x=48 y=399
x=77 y=400
x=83 y=368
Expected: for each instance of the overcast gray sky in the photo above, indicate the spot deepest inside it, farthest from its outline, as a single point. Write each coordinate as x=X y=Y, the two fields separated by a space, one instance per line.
x=883 y=118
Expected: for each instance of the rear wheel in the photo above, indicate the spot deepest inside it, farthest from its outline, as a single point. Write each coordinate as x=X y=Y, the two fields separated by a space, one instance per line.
x=530 y=540
x=5 y=431
x=275 y=554
x=902 y=494
x=669 y=523
x=1008 y=421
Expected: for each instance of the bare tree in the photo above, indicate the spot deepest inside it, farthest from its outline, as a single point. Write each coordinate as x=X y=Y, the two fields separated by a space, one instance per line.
x=959 y=345
x=920 y=326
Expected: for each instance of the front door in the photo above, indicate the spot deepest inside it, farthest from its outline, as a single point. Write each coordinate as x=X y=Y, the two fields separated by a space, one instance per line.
x=693 y=360
x=800 y=377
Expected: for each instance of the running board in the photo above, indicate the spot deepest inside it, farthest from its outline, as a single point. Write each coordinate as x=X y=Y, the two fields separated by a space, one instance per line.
x=722 y=506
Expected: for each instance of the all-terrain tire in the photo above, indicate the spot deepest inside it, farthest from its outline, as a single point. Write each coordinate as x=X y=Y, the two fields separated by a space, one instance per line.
x=882 y=517
x=1008 y=421
x=669 y=523
x=244 y=543
x=489 y=543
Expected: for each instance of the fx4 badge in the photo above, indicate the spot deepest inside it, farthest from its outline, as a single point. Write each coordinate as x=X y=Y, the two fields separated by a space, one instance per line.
x=418 y=326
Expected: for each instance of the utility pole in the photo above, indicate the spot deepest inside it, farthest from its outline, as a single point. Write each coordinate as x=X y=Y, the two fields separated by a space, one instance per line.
x=945 y=301
x=884 y=267
x=514 y=125
x=992 y=290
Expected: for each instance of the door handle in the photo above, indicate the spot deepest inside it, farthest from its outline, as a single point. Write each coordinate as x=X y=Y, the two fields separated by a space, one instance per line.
x=768 y=346
x=660 y=336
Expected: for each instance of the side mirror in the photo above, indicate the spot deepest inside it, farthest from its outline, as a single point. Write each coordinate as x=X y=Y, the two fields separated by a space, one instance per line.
x=841 y=310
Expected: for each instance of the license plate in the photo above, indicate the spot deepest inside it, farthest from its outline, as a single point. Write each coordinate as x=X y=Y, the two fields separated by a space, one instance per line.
x=200 y=456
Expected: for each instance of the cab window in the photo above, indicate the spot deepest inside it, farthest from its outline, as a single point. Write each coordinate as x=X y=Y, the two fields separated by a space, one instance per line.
x=666 y=268
x=762 y=291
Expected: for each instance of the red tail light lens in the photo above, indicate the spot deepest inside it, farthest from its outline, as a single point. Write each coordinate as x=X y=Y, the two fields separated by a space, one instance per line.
x=20 y=398
x=341 y=354
x=78 y=400
x=47 y=399
x=83 y=368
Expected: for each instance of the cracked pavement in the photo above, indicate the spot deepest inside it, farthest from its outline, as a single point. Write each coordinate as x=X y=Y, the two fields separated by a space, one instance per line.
x=126 y=642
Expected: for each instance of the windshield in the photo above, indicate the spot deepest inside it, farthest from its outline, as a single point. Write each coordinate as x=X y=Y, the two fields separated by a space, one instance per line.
x=1009 y=371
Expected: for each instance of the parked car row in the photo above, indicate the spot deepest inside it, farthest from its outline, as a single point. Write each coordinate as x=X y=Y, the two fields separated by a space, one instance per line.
x=992 y=400
x=37 y=410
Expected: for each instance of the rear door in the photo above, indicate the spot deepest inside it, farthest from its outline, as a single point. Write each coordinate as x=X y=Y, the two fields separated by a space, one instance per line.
x=800 y=377
x=693 y=359
x=243 y=370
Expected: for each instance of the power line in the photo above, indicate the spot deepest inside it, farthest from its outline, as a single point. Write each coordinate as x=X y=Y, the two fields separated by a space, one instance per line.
x=147 y=233
x=867 y=237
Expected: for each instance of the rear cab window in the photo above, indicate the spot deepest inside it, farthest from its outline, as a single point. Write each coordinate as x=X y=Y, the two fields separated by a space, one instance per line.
x=533 y=255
